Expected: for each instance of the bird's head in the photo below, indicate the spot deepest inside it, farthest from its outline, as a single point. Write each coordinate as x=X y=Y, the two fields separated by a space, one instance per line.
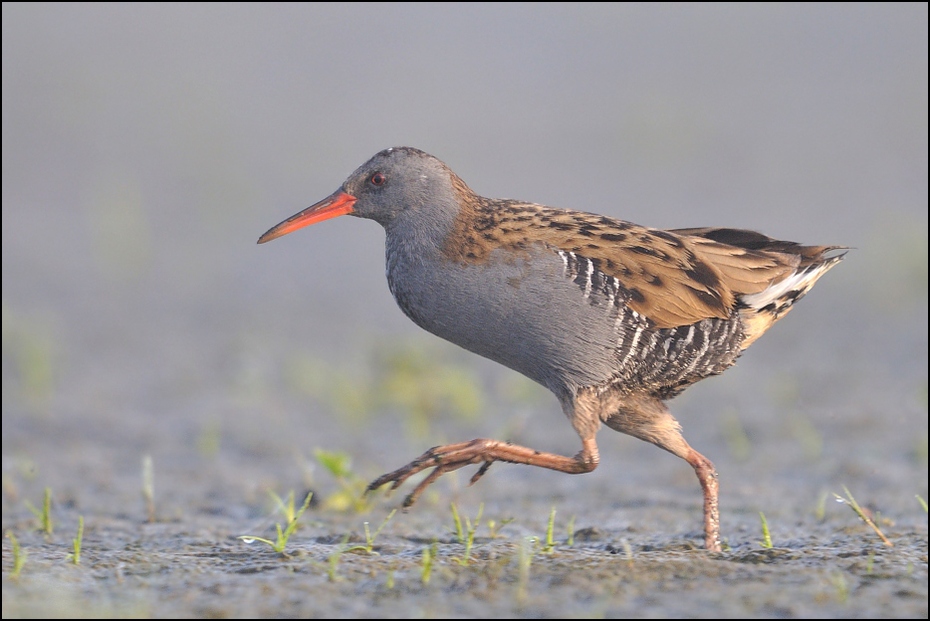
x=397 y=182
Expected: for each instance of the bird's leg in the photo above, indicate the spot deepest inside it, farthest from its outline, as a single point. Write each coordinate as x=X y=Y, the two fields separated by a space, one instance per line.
x=482 y=451
x=707 y=475
x=648 y=419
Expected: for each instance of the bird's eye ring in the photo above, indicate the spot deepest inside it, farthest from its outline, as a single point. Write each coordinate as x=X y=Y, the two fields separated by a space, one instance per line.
x=378 y=179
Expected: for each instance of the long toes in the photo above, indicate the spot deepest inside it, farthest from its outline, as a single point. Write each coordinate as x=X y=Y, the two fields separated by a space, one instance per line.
x=442 y=460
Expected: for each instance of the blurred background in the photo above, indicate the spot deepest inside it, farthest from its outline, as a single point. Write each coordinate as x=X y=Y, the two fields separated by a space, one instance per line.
x=146 y=147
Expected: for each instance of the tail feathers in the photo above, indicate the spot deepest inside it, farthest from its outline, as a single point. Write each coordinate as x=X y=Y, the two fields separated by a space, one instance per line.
x=761 y=310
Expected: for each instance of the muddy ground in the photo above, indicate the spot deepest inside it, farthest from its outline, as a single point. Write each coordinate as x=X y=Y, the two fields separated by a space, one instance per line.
x=626 y=539
x=151 y=348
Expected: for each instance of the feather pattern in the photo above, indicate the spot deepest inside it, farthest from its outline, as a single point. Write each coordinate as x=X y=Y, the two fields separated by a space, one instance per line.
x=674 y=277
x=613 y=317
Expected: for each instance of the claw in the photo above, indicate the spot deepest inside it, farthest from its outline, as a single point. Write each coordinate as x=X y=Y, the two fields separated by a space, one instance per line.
x=484 y=468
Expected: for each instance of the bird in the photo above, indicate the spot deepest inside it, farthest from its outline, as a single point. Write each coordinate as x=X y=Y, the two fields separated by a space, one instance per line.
x=612 y=317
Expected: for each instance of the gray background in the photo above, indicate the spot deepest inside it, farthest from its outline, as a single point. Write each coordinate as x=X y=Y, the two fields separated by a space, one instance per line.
x=145 y=149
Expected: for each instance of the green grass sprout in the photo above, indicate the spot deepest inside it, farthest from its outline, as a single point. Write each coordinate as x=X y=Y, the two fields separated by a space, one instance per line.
x=333 y=560
x=429 y=556
x=457 y=522
x=368 y=548
x=351 y=495
x=923 y=503
x=45 y=514
x=494 y=528
x=550 y=541
x=76 y=555
x=19 y=556
x=766 y=535
x=283 y=535
x=285 y=506
x=466 y=534
x=849 y=500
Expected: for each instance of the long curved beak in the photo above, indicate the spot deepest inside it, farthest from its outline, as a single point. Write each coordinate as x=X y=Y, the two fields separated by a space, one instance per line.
x=337 y=204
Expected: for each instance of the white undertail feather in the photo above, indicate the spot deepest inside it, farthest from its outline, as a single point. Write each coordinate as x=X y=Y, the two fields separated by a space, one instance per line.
x=790 y=289
x=761 y=310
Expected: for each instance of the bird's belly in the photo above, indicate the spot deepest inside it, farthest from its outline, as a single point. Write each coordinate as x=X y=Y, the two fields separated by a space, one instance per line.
x=516 y=309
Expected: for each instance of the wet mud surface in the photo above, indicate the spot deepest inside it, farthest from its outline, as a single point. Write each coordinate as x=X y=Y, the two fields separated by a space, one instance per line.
x=163 y=375
x=626 y=539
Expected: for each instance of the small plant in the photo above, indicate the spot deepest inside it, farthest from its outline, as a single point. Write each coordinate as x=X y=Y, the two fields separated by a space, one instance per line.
x=466 y=535
x=849 y=500
x=148 y=486
x=766 y=535
x=19 y=556
x=923 y=503
x=457 y=521
x=351 y=495
x=76 y=555
x=429 y=556
x=571 y=532
x=368 y=548
x=494 y=528
x=550 y=542
x=45 y=515
x=285 y=506
x=283 y=535
x=333 y=560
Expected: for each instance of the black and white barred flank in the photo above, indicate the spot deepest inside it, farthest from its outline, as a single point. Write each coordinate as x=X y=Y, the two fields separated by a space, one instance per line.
x=661 y=361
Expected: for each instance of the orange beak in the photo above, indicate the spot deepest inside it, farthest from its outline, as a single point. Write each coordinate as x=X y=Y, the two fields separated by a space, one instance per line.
x=338 y=204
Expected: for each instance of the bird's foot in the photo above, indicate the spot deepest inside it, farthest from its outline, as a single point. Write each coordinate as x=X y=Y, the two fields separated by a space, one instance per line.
x=443 y=459
x=482 y=451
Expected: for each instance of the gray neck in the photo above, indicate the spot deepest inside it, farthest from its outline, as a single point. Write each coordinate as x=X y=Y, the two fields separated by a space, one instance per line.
x=421 y=229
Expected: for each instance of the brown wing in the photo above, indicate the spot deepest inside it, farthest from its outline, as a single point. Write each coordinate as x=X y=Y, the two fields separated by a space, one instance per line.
x=750 y=240
x=675 y=277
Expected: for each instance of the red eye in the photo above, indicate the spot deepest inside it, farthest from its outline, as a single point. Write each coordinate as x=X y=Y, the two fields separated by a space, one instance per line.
x=378 y=179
